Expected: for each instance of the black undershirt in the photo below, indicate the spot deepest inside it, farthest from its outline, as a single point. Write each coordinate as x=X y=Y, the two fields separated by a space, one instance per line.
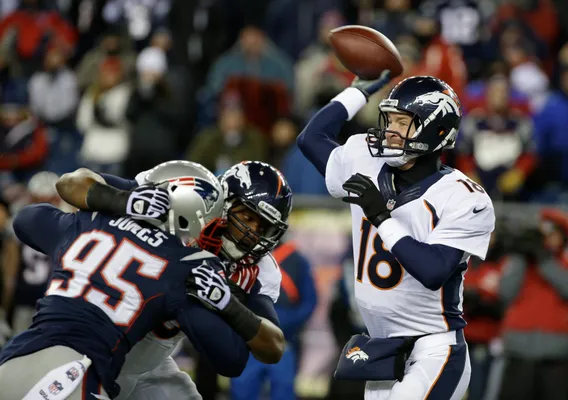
x=425 y=166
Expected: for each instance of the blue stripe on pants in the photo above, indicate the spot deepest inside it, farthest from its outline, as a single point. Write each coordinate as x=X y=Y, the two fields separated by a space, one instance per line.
x=452 y=371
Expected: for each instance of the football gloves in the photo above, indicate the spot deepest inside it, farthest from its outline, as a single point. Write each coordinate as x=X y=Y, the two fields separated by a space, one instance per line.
x=368 y=197
x=368 y=88
x=208 y=284
x=148 y=202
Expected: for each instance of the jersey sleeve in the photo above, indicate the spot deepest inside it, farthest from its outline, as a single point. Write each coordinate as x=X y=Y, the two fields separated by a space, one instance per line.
x=43 y=227
x=118 y=182
x=343 y=162
x=225 y=350
x=466 y=223
x=334 y=173
x=269 y=278
x=263 y=306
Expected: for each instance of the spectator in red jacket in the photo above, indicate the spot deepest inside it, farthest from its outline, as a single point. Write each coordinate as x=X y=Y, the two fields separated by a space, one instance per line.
x=26 y=33
x=483 y=310
x=535 y=327
x=23 y=140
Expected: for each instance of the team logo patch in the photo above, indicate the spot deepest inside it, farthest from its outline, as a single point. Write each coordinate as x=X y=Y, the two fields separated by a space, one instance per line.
x=72 y=374
x=355 y=354
x=55 y=387
x=390 y=204
x=206 y=190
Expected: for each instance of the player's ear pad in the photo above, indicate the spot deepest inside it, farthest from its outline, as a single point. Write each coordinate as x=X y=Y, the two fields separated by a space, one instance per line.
x=374 y=359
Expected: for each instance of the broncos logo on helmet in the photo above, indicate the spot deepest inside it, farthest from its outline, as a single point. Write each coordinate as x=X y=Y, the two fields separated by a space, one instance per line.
x=436 y=112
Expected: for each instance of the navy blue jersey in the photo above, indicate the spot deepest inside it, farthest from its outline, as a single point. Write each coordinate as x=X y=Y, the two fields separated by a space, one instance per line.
x=114 y=279
x=33 y=273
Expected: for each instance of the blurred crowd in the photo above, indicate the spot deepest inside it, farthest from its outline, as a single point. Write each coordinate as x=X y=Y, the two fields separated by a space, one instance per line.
x=119 y=86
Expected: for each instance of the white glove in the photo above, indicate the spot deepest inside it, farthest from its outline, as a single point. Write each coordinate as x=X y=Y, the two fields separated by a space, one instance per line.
x=208 y=284
x=148 y=202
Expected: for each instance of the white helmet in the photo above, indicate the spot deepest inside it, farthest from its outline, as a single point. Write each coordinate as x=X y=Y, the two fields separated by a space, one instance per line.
x=197 y=214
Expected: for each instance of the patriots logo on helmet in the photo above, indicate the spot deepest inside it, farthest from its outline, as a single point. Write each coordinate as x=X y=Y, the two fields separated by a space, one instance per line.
x=206 y=190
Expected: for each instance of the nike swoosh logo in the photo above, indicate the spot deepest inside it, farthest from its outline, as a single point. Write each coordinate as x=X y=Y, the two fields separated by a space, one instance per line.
x=475 y=210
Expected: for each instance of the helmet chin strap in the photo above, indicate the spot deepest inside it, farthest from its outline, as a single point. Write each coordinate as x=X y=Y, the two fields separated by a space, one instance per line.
x=231 y=250
x=396 y=161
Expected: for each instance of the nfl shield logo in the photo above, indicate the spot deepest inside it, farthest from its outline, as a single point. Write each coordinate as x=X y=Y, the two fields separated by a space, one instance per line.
x=72 y=374
x=55 y=387
x=390 y=204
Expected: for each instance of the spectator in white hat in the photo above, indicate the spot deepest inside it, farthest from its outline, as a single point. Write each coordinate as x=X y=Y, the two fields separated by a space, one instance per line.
x=156 y=114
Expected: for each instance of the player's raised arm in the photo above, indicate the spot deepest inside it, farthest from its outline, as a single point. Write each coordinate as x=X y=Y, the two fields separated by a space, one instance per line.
x=318 y=139
x=89 y=191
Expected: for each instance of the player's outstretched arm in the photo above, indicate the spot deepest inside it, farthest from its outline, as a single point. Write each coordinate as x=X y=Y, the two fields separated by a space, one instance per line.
x=265 y=339
x=89 y=191
x=73 y=187
x=319 y=137
x=224 y=348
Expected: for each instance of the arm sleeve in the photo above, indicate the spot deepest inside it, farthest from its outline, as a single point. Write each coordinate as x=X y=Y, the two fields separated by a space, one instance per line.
x=318 y=139
x=556 y=275
x=225 y=350
x=42 y=226
x=262 y=306
x=430 y=264
x=119 y=183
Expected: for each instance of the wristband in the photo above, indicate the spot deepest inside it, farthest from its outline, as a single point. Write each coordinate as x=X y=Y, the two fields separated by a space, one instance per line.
x=242 y=320
x=105 y=198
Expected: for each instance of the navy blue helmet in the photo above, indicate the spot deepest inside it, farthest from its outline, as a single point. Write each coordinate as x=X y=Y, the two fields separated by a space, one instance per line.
x=436 y=113
x=258 y=201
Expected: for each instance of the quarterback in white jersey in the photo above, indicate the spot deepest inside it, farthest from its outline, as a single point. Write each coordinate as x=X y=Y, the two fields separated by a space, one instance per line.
x=415 y=224
x=259 y=202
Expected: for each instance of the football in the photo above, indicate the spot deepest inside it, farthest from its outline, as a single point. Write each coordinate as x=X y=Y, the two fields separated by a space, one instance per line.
x=365 y=52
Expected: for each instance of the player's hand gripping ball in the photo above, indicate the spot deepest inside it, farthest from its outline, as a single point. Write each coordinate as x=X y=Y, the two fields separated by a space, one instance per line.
x=207 y=283
x=368 y=197
x=368 y=88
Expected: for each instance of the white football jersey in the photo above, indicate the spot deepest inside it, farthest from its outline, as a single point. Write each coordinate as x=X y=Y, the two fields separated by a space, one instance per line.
x=446 y=208
x=155 y=347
